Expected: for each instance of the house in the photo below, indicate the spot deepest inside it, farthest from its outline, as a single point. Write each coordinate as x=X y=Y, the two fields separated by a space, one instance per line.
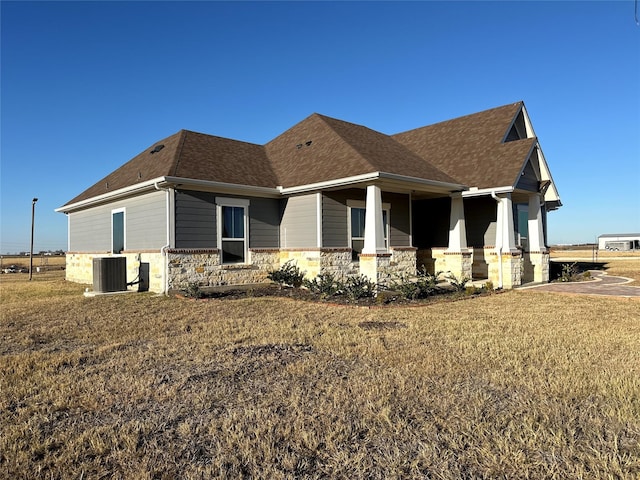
x=468 y=196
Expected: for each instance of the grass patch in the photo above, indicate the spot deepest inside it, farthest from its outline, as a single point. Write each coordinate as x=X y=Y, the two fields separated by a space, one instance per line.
x=517 y=385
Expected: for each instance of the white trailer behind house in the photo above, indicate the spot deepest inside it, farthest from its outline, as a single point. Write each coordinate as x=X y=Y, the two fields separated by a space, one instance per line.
x=619 y=241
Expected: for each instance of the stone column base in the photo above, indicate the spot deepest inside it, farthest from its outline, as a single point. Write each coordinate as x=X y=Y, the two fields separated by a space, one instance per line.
x=536 y=267
x=459 y=264
x=376 y=267
x=511 y=269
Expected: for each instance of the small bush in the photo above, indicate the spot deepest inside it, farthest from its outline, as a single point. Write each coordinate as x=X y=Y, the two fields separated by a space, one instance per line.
x=459 y=284
x=488 y=286
x=471 y=290
x=288 y=274
x=193 y=290
x=572 y=273
x=569 y=272
x=384 y=297
x=325 y=285
x=423 y=286
x=359 y=287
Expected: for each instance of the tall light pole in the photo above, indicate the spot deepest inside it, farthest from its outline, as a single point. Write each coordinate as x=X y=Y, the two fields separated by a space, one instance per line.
x=33 y=215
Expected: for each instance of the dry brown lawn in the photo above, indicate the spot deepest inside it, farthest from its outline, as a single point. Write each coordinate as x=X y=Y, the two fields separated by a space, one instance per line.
x=513 y=385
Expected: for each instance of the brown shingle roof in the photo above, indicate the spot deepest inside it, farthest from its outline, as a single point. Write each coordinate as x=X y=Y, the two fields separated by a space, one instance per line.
x=341 y=149
x=470 y=148
x=144 y=166
x=466 y=150
x=192 y=155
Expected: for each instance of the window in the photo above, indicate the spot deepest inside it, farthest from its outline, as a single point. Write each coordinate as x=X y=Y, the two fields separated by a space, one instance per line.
x=117 y=231
x=232 y=229
x=357 y=230
x=522 y=225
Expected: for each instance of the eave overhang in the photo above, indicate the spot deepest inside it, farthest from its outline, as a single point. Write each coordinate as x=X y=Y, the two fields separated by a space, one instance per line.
x=392 y=180
x=170 y=182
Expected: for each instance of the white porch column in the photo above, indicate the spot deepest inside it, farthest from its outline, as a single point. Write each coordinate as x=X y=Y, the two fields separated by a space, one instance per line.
x=505 y=232
x=457 y=230
x=373 y=226
x=536 y=230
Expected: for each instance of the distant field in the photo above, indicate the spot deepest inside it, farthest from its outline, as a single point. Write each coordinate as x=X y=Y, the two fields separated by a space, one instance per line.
x=625 y=264
x=521 y=384
x=54 y=262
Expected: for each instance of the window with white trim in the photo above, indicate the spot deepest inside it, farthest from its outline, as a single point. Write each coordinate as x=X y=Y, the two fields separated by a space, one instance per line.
x=357 y=216
x=117 y=230
x=233 y=226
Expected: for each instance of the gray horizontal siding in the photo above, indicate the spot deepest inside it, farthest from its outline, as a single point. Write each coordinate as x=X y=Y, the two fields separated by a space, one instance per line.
x=145 y=224
x=399 y=219
x=299 y=226
x=90 y=230
x=335 y=221
x=335 y=231
x=195 y=220
x=264 y=223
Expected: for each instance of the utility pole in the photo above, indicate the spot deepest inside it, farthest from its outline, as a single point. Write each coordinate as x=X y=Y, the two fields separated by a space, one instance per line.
x=33 y=215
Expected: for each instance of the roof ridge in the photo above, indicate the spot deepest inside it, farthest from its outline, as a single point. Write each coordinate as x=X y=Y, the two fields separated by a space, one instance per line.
x=346 y=141
x=176 y=159
x=462 y=117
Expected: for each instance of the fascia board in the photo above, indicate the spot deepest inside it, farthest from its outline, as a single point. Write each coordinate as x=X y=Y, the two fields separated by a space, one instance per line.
x=413 y=182
x=222 y=187
x=105 y=197
x=170 y=182
x=339 y=182
x=481 y=192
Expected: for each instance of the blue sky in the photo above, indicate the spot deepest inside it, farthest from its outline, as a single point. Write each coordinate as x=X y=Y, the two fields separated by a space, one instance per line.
x=86 y=86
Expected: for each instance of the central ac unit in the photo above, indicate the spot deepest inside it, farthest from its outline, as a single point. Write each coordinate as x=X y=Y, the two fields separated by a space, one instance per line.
x=109 y=274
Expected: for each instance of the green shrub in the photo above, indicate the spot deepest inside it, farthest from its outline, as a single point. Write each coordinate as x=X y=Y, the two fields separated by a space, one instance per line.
x=193 y=290
x=459 y=284
x=423 y=286
x=288 y=274
x=325 y=285
x=569 y=272
x=359 y=287
x=488 y=286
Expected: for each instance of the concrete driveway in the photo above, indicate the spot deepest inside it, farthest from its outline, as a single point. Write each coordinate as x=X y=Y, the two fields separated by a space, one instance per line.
x=602 y=284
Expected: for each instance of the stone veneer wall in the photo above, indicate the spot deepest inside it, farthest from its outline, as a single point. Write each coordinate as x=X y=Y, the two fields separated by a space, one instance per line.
x=403 y=261
x=79 y=267
x=203 y=267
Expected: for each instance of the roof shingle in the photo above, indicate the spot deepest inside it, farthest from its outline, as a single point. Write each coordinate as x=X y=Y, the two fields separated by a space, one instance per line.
x=468 y=150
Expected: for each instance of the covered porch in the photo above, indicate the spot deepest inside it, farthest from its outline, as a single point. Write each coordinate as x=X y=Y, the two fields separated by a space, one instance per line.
x=496 y=235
